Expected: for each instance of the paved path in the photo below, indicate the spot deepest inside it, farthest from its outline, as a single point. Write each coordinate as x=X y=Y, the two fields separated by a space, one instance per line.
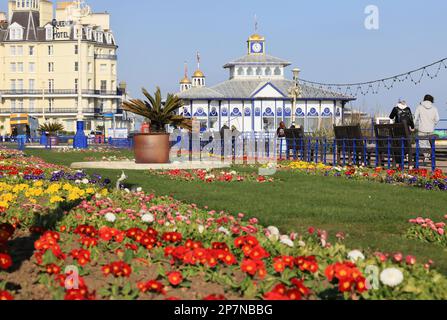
x=130 y=165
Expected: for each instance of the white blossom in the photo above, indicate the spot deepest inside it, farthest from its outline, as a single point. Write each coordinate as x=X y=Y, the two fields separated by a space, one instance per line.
x=148 y=218
x=355 y=255
x=110 y=217
x=392 y=277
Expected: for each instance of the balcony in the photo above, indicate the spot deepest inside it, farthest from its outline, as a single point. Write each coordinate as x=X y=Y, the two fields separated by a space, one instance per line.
x=106 y=56
x=55 y=92
x=48 y=111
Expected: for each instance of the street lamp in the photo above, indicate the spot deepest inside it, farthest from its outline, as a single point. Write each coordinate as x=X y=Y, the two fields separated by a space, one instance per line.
x=77 y=11
x=295 y=93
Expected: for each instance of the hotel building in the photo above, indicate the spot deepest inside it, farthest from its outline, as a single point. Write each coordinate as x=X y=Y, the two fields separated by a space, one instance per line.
x=42 y=66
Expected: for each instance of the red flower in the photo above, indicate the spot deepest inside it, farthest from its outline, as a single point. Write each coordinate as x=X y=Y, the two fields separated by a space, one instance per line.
x=279 y=266
x=249 y=266
x=151 y=286
x=5 y=261
x=53 y=269
x=5 y=295
x=175 y=278
x=82 y=256
x=345 y=285
x=172 y=237
x=117 y=269
x=293 y=294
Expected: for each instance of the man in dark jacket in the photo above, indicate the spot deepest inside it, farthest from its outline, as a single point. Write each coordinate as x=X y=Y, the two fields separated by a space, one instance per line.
x=402 y=114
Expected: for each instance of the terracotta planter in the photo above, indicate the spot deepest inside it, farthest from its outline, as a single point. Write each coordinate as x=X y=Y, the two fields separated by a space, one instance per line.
x=151 y=148
x=53 y=140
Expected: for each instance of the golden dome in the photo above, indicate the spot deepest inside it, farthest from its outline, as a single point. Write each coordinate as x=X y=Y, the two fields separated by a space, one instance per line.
x=185 y=80
x=198 y=74
x=256 y=37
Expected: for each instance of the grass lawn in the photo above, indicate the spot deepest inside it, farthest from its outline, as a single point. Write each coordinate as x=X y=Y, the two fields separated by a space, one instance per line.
x=374 y=216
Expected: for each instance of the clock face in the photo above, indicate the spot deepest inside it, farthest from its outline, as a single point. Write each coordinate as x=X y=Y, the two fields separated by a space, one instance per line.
x=256 y=47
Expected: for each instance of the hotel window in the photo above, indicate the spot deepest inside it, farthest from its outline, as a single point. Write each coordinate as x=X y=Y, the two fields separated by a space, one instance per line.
x=32 y=67
x=16 y=33
x=100 y=37
x=32 y=105
x=31 y=50
x=19 y=66
x=49 y=33
x=51 y=85
x=76 y=49
x=13 y=50
x=20 y=104
x=13 y=105
x=90 y=67
x=268 y=71
x=278 y=71
x=51 y=104
x=32 y=84
x=50 y=50
x=258 y=71
x=50 y=66
x=250 y=71
x=20 y=84
x=20 y=50
x=76 y=66
x=13 y=85
x=76 y=85
x=103 y=68
x=113 y=69
x=103 y=85
x=13 y=67
x=240 y=71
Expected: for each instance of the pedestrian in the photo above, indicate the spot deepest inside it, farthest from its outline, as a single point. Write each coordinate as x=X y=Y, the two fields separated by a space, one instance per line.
x=281 y=131
x=402 y=114
x=427 y=118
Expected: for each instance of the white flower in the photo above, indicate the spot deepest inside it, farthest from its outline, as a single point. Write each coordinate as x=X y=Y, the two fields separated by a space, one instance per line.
x=201 y=229
x=78 y=181
x=392 y=277
x=85 y=181
x=167 y=224
x=210 y=177
x=286 y=241
x=355 y=255
x=273 y=231
x=148 y=217
x=224 y=230
x=139 y=189
x=127 y=190
x=233 y=173
x=301 y=243
x=110 y=217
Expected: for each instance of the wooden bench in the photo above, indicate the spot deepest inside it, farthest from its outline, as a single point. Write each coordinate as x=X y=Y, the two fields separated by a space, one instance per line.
x=393 y=142
x=351 y=142
x=297 y=143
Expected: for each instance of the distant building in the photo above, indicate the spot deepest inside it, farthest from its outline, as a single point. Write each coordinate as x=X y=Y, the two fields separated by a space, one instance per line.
x=39 y=68
x=256 y=97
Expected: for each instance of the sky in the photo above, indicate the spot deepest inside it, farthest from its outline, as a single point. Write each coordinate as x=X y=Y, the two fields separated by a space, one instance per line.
x=326 y=39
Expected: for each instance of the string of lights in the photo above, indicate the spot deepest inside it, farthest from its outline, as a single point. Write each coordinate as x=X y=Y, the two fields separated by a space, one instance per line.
x=373 y=87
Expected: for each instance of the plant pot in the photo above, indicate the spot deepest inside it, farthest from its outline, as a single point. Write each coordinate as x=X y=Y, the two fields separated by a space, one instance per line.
x=151 y=148
x=53 y=140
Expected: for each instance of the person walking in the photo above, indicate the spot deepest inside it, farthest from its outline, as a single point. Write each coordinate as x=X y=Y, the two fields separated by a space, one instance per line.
x=427 y=118
x=402 y=114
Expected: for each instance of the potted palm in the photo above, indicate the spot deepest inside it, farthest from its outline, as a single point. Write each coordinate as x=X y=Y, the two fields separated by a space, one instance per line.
x=154 y=147
x=51 y=129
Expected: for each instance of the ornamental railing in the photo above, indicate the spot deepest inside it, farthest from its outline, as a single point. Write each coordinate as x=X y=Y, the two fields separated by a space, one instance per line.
x=19 y=92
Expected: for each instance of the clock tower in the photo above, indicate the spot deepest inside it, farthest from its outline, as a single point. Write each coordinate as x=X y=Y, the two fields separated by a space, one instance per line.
x=256 y=45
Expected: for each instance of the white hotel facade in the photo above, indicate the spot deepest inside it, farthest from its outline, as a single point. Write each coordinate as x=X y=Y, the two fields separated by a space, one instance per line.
x=257 y=96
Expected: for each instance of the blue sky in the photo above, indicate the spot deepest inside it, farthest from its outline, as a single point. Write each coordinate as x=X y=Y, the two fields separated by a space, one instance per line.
x=325 y=38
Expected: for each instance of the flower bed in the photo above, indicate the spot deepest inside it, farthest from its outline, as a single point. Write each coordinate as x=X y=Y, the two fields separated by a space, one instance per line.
x=210 y=176
x=124 y=245
x=420 y=178
x=427 y=230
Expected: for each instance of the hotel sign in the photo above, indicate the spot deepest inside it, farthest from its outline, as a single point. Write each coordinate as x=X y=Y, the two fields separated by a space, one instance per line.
x=62 y=30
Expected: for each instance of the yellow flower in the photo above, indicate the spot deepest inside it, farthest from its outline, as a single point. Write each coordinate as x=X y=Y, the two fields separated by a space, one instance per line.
x=55 y=199
x=38 y=184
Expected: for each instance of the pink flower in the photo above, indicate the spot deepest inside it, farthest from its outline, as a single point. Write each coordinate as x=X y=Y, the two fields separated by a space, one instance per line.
x=441 y=231
x=398 y=257
x=411 y=261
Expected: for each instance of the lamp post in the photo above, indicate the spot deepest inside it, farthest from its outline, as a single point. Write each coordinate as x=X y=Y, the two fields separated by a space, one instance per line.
x=295 y=93
x=77 y=11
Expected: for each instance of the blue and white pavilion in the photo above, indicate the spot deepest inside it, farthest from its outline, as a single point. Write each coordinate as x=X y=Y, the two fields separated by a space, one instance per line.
x=257 y=96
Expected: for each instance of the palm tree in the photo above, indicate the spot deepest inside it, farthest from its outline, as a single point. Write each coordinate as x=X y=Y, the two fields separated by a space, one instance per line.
x=158 y=113
x=51 y=128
